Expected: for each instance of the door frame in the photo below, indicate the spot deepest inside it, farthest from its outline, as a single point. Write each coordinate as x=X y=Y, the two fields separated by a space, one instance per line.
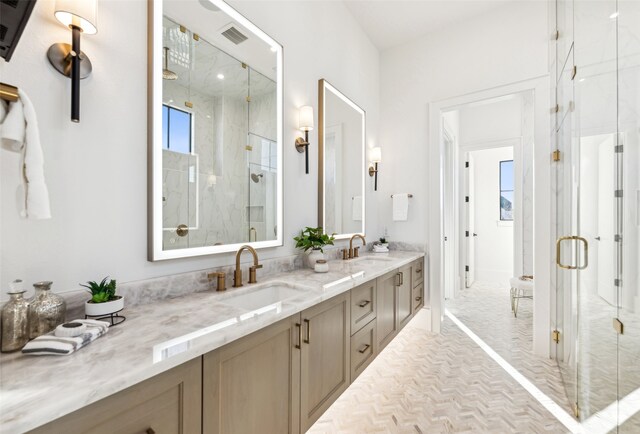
x=544 y=301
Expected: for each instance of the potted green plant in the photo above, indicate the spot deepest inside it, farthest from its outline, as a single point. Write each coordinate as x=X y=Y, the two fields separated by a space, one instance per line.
x=104 y=300
x=313 y=239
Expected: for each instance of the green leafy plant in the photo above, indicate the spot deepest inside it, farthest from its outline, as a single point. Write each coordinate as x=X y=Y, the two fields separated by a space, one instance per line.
x=102 y=292
x=313 y=238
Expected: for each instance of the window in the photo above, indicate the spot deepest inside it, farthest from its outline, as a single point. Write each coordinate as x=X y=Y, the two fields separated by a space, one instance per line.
x=506 y=190
x=176 y=130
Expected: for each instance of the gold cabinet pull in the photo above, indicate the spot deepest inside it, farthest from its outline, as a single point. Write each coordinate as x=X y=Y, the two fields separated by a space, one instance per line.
x=363 y=303
x=363 y=349
x=559 y=251
x=398 y=283
x=308 y=338
x=299 y=326
x=150 y=431
x=418 y=298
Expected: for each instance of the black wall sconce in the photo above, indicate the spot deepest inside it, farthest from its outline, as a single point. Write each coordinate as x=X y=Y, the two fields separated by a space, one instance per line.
x=81 y=16
x=375 y=155
x=305 y=123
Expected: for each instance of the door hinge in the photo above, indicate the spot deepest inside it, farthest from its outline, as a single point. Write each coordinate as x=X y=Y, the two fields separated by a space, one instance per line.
x=555 y=335
x=618 y=149
x=617 y=282
x=617 y=193
x=466 y=198
x=466 y=164
x=574 y=72
x=466 y=268
x=618 y=326
x=555 y=108
x=617 y=238
x=555 y=35
x=576 y=410
x=466 y=233
x=555 y=156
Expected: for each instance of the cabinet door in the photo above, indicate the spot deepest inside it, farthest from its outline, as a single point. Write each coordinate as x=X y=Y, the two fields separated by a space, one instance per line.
x=417 y=275
x=363 y=305
x=325 y=362
x=417 y=299
x=167 y=403
x=404 y=296
x=386 y=309
x=252 y=385
x=364 y=347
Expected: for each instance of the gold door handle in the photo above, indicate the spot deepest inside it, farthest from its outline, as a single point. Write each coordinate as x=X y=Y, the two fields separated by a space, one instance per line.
x=308 y=338
x=559 y=248
x=299 y=326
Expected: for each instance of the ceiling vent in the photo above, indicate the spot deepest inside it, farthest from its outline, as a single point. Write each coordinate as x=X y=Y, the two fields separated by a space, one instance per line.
x=234 y=35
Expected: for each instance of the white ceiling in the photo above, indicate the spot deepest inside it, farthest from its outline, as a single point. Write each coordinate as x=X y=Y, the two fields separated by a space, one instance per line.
x=389 y=23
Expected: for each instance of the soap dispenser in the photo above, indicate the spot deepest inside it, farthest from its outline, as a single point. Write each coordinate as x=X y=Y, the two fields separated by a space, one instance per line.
x=15 y=330
x=46 y=310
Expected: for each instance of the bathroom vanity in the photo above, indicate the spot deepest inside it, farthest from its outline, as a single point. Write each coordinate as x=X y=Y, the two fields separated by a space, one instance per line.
x=268 y=357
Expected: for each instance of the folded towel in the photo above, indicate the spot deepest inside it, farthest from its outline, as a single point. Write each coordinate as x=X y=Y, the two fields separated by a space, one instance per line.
x=356 y=208
x=20 y=133
x=50 y=344
x=400 y=207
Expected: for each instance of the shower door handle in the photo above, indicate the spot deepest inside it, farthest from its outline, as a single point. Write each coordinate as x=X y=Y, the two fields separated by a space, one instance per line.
x=559 y=251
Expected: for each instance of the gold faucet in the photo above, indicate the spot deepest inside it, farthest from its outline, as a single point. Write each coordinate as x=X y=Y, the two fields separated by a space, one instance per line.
x=237 y=275
x=222 y=283
x=353 y=253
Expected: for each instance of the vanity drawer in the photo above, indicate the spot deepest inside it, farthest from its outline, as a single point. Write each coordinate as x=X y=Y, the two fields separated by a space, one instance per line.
x=417 y=275
x=363 y=305
x=417 y=297
x=363 y=349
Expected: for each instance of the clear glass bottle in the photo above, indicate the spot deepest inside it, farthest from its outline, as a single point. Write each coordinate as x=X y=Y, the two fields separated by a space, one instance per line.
x=15 y=325
x=46 y=310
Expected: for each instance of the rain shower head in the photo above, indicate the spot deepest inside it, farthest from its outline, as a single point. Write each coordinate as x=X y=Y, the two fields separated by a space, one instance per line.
x=167 y=74
x=255 y=177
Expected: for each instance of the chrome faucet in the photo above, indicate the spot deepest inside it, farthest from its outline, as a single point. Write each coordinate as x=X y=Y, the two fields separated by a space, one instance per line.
x=237 y=275
x=353 y=252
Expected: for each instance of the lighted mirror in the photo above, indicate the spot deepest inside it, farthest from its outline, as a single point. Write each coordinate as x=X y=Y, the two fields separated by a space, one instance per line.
x=215 y=134
x=341 y=193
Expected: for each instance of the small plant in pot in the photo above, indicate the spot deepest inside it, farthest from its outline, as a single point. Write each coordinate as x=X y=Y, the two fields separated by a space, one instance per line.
x=313 y=239
x=104 y=300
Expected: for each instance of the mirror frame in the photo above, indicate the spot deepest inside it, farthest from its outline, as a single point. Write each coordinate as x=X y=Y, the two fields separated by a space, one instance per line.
x=323 y=86
x=154 y=159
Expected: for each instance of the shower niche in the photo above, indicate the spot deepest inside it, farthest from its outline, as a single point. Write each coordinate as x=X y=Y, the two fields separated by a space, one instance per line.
x=216 y=153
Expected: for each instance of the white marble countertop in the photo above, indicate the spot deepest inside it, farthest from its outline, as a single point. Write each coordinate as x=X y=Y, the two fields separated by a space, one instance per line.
x=156 y=337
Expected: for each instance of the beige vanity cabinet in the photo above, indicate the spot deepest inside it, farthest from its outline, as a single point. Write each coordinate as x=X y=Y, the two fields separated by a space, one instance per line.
x=386 y=318
x=253 y=384
x=405 y=310
x=325 y=362
x=417 y=284
x=168 y=403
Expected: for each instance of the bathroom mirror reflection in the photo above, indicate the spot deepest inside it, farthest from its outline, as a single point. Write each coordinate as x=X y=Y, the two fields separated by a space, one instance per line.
x=215 y=148
x=341 y=194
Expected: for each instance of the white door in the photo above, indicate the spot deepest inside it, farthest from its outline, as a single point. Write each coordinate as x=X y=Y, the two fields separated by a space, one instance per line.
x=470 y=232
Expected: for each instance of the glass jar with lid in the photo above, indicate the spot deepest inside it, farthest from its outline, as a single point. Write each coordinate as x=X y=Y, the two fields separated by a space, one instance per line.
x=46 y=310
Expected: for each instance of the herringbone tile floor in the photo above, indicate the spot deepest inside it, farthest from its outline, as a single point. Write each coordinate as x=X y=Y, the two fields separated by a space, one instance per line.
x=428 y=383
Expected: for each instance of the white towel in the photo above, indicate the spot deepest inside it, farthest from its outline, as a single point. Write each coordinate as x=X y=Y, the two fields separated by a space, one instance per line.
x=50 y=344
x=20 y=133
x=356 y=208
x=400 y=207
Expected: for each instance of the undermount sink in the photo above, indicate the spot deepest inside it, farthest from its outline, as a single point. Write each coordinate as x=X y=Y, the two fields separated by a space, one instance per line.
x=371 y=259
x=263 y=296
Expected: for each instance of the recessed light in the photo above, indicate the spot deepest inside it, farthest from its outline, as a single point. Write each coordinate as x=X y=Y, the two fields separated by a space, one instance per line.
x=613 y=15
x=221 y=76
x=581 y=80
x=170 y=100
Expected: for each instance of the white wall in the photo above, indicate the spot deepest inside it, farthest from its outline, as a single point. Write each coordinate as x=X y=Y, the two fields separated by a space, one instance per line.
x=507 y=45
x=97 y=170
x=494 y=243
x=490 y=121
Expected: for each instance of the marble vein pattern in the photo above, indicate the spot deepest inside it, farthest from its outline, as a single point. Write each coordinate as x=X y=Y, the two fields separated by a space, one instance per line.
x=158 y=336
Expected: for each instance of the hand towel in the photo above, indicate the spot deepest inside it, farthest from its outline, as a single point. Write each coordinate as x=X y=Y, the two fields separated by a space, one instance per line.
x=50 y=344
x=400 y=207
x=20 y=134
x=356 y=208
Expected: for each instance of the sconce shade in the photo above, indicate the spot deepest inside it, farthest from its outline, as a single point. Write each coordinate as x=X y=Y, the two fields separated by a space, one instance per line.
x=305 y=122
x=78 y=13
x=375 y=155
